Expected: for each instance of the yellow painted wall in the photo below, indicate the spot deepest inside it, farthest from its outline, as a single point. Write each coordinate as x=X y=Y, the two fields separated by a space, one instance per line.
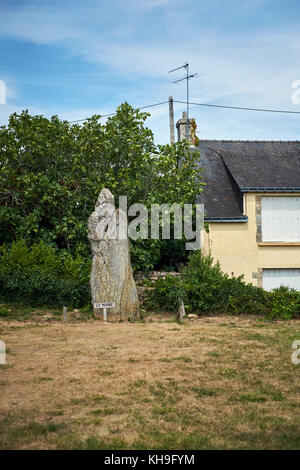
x=235 y=246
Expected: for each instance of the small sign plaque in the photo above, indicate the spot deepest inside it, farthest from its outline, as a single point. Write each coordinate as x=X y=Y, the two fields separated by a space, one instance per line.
x=104 y=304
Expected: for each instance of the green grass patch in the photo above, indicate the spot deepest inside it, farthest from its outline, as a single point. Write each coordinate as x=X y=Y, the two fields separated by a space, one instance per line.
x=40 y=380
x=104 y=411
x=205 y=392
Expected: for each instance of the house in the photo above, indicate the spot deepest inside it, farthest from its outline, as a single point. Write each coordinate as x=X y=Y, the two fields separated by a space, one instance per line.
x=252 y=205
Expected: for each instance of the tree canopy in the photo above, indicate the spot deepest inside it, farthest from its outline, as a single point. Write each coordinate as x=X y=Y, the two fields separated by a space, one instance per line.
x=52 y=171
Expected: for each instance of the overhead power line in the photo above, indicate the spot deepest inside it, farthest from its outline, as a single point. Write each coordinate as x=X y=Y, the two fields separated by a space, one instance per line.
x=112 y=114
x=266 y=110
x=240 y=107
x=85 y=119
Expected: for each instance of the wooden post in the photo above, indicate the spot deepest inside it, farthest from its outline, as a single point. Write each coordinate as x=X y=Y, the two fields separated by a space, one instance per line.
x=171 y=118
x=2 y=352
x=65 y=309
x=181 y=312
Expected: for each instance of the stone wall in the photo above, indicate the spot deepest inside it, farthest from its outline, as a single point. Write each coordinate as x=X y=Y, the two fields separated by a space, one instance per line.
x=152 y=276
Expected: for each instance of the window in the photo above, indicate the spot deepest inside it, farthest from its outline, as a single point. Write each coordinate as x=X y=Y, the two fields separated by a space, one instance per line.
x=280 y=219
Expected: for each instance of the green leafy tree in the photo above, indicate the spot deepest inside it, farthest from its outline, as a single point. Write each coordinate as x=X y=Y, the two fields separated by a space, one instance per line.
x=51 y=173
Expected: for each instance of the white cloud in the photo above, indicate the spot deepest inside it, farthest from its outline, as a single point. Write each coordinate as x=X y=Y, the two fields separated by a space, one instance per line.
x=239 y=68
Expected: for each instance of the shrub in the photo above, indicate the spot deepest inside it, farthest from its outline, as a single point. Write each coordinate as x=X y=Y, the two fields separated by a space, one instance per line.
x=247 y=298
x=41 y=275
x=4 y=311
x=285 y=303
x=202 y=282
x=205 y=288
x=167 y=293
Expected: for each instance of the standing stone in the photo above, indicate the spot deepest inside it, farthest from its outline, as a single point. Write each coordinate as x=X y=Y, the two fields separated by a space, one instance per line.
x=111 y=274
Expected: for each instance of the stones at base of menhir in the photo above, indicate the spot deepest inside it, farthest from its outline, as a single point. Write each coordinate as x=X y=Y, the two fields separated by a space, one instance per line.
x=111 y=277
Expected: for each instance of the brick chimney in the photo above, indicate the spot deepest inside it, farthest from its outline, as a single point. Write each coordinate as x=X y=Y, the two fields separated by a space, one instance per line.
x=182 y=127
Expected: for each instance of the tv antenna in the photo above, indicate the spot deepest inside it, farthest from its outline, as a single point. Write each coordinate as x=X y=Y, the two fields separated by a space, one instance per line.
x=187 y=77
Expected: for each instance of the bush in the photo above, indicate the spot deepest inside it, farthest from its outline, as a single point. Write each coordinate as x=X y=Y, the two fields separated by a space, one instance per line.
x=205 y=288
x=167 y=293
x=41 y=275
x=285 y=303
x=246 y=298
x=4 y=311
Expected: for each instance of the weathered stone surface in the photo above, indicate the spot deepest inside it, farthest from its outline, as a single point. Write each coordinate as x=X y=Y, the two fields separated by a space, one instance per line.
x=192 y=315
x=144 y=293
x=111 y=274
x=154 y=275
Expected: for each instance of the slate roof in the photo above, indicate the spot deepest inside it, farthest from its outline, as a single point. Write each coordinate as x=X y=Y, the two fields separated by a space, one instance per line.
x=233 y=167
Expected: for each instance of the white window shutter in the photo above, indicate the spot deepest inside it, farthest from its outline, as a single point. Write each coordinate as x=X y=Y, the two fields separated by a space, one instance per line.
x=280 y=219
x=273 y=278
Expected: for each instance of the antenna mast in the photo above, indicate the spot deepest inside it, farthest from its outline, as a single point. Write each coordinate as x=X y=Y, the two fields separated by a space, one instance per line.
x=187 y=77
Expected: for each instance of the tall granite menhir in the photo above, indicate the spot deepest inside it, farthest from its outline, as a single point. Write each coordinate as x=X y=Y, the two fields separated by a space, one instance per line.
x=111 y=274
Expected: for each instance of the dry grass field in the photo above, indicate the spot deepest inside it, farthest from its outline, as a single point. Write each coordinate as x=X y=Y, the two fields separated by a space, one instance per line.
x=212 y=383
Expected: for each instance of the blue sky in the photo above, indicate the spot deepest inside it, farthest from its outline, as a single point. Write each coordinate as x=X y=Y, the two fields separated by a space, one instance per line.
x=77 y=58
